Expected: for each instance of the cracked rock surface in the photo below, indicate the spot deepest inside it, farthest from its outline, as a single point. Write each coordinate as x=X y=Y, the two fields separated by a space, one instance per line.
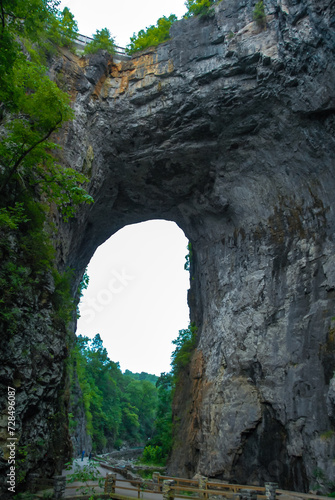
x=228 y=130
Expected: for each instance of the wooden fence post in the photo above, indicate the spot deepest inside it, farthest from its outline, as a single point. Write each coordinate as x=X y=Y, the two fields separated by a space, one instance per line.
x=59 y=486
x=155 y=478
x=110 y=483
x=270 y=490
x=168 y=492
x=202 y=485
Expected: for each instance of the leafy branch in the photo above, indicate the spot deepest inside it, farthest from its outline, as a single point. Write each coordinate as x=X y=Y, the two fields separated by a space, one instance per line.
x=18 y=162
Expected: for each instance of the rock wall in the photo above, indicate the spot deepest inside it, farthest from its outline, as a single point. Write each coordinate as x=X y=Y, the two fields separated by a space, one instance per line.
x=228 y=130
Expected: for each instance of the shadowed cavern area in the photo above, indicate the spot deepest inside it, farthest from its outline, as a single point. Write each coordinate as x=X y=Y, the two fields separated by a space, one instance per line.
x=228 y=130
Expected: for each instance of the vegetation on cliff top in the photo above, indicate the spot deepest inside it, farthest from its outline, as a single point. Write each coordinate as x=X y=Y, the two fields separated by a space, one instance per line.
x=154 y=35
x=202 y=8
x=102 y=40
x=159 y=33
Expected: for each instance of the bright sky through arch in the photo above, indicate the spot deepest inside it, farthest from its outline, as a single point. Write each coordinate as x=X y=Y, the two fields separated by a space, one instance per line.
x=123 y=19
x=137 y=296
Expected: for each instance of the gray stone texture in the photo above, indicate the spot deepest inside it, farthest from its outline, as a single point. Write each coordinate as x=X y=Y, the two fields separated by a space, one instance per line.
x=228 y=130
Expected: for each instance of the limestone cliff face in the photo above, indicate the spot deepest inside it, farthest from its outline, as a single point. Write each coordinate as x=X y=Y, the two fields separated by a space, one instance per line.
x=228 y=130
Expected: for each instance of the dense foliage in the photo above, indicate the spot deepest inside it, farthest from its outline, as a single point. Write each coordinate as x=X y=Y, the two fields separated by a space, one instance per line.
x=142 y=376
x=161 y=443
x=102 y=40
x=201 y=8
x=32 y=109
x=185 y=344
x=152 y=36
x=129 y=408
x=119 y=407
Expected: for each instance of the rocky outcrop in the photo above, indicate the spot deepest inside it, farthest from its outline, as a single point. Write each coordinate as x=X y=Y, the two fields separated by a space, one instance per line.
x=228 y=130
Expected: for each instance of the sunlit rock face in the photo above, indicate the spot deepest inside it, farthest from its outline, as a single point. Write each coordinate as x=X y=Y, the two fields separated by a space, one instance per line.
x=228 y=130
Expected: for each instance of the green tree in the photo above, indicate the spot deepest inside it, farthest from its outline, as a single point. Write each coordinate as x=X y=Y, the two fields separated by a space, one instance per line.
x=161 y=442
x=32 y=109
x=68 y=27
x=85 y=474
x=188 y=257
x=259 y=14
x=100 y=382
x=118 y=407
x=185 y=344
x=142 y=376
x=62 y=29
x=154 y=35
x=102 y=40
x=201 y=8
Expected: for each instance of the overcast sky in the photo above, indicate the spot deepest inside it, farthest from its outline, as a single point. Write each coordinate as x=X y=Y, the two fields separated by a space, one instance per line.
x=122 y=18
x=137 y=295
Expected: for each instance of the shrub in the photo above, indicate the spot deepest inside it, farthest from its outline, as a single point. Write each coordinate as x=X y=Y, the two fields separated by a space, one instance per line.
x=102 y=40
x=188 y=257
x=185 y=342
x=259 y=14
x=202 y=8
x=153 y=455
x=154 y=35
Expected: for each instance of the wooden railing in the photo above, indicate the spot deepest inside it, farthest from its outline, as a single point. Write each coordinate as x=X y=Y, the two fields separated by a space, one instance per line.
x=174 y=487
x=204 y=488
x=170 y=488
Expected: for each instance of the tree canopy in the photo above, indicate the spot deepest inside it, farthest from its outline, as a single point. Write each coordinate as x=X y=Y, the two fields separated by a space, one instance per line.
x=201 y=8
x=151 y=36
x=32 y=109
x=119 y=408
x=102 y=40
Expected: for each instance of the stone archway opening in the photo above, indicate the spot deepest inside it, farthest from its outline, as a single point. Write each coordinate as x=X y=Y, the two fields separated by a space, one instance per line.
x=137 y=295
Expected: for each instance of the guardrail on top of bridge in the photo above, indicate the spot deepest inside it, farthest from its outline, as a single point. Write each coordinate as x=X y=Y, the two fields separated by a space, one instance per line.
x=83 y=40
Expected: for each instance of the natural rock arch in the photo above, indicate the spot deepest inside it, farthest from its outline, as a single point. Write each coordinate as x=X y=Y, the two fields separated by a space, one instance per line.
x=228 y=130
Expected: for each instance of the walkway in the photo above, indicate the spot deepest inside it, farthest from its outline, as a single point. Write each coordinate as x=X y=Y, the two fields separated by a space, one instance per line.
x=72 y=489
